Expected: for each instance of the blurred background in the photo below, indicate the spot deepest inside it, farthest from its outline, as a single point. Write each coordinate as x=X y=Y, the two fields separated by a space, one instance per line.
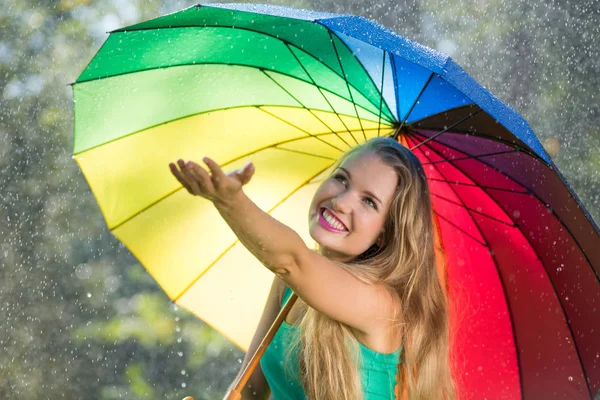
x=79 y=316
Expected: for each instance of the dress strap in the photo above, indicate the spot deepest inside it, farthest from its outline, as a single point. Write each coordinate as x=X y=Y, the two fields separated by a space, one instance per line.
x=287 y=292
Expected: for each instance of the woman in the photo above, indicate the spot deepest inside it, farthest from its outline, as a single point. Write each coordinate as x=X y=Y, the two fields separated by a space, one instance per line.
x=369 y=297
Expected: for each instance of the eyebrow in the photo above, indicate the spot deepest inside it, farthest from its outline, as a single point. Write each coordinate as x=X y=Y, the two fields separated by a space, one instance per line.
x=366 y=191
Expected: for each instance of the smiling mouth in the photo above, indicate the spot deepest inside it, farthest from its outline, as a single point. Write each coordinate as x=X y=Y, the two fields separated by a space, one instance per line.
x=334 y=226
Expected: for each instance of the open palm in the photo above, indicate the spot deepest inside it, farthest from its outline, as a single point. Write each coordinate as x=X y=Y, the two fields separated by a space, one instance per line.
x=216 y=186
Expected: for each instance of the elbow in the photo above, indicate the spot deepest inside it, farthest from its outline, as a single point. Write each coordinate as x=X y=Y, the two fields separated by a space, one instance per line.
x=283 y=266
x=286 y=268
x=287 y=263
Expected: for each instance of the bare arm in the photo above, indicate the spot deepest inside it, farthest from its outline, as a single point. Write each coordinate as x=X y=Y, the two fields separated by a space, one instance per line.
x=257 y=387
x=270 y=241
x=323 y=284
x=318 y=281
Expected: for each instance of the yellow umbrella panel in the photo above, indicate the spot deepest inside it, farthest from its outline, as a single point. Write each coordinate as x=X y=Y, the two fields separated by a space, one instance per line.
x=196 y=84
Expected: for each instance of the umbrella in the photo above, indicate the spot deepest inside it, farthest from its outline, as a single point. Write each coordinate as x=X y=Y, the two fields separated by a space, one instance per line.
x=292 y=90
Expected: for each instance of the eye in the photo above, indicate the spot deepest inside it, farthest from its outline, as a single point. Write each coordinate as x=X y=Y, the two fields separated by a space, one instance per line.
x=339 y=176
x=372 y=202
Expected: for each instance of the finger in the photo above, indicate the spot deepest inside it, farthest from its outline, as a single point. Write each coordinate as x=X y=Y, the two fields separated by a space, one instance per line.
x=202 y=176
x=186 y=179
x=192 y=183
x=217 y=173
x=179 y=177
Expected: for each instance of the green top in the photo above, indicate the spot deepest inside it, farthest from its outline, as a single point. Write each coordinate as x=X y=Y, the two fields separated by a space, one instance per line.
x=378 y=370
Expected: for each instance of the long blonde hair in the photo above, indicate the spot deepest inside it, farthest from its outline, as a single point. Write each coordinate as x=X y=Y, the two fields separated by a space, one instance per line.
x=329 y=353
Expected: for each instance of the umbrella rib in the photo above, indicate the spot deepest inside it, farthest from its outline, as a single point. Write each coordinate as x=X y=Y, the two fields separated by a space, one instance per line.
x=286 y=42
x=309 y=110
x=496 y=139
x=491 y=138
x=448 y=128
x=236 y=241
x=368 y=75
x=532 y=193
x=460 y=229
x=564 y=313
x=475 y=211
x=192 y=115
x=471 y=184
x=272 y=146
x=314 y=84
x=381 y=91
x=235 y=65
x=395 y=77
x=304 y=153
x=474 y=156
x=299 y=102
x=337 y=55
x=324 y=97
x=493 y=257
x=302 y=130
x=415 y=103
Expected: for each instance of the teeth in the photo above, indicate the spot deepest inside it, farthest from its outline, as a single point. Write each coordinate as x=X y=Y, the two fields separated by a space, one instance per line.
x=332 y=221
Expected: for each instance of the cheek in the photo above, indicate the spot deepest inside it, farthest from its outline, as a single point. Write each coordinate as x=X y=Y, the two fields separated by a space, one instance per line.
x=370 y=225
x=326 y=190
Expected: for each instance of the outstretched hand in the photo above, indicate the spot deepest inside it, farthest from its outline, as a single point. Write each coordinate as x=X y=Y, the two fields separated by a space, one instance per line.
x=217 y=186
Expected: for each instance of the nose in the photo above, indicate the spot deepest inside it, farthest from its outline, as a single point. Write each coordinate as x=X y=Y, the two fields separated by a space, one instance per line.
x=341 y=203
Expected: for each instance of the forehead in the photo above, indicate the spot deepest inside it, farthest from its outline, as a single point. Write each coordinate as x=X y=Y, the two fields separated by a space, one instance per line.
x=371 y=173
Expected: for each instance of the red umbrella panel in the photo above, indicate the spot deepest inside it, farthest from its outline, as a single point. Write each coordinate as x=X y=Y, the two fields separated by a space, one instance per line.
x=522 y=264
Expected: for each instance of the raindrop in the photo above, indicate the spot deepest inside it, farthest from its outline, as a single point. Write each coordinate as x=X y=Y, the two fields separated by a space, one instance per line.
x=570 y=379
x=183 y=384
x=89 y=295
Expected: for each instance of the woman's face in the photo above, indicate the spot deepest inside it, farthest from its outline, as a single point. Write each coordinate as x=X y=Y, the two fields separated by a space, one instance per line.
x=358 y=194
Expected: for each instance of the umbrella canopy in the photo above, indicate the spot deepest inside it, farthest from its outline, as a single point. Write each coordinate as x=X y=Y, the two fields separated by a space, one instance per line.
x=292 y=90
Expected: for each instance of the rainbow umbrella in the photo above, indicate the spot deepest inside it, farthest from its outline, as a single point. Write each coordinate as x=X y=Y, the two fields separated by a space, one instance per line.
x=292 y=90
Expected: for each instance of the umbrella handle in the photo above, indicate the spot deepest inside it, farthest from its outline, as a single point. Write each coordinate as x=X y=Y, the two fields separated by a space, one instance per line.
x=236 y=392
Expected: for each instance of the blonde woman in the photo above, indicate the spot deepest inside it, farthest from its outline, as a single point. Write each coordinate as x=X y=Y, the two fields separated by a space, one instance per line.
x=370 y=303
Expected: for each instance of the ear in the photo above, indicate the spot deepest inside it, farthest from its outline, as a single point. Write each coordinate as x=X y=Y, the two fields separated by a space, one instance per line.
x=380 y=240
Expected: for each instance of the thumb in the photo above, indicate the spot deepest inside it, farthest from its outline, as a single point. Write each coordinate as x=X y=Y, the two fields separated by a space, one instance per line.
x=247 y=172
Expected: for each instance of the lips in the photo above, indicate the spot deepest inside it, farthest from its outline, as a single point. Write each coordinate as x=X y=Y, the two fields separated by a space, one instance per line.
x=329 y=211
